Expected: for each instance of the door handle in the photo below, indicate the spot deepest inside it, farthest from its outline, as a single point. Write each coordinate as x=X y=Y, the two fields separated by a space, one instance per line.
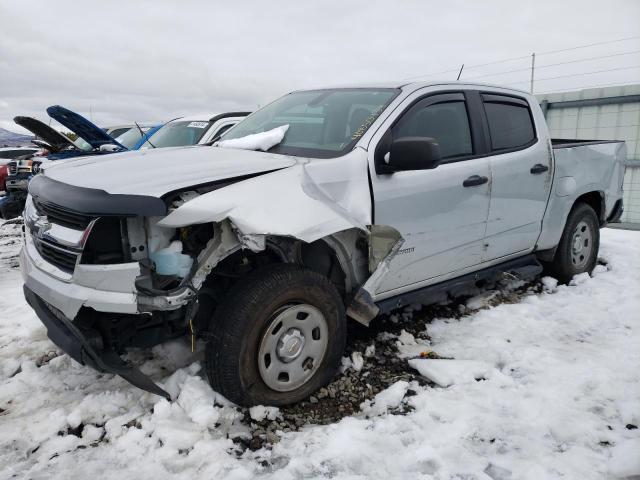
x=538 y=168
x=474 y=180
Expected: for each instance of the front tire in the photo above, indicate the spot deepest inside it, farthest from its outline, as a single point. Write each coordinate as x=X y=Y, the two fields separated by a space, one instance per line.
x=578 y=248
x=278 y=337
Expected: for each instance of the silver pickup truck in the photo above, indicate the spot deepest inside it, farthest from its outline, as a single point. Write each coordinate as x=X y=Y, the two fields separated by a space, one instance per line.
x=322 y=206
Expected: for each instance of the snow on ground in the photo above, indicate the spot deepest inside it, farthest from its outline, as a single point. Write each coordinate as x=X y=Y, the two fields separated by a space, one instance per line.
x=558 y=396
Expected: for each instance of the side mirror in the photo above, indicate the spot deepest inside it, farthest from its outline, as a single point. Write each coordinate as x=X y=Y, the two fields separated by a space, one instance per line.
x=412 y=153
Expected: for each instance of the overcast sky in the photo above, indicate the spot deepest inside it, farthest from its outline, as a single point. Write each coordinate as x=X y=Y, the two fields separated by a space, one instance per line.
x=120 y=61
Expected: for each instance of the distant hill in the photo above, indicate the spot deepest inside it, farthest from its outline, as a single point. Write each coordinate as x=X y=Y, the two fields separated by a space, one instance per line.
x=13 y=139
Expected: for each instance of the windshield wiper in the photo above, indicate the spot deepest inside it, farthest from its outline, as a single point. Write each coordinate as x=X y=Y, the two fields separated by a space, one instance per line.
x=142 y=136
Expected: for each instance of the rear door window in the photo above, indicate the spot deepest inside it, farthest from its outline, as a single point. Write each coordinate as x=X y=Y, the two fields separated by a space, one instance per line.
x=510 y=122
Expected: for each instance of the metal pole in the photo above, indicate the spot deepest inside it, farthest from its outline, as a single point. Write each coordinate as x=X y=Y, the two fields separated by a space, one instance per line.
x=533 y=67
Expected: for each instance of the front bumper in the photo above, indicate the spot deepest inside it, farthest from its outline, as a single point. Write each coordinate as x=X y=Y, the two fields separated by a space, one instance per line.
x=105 y=288
x=58 y=296
x=84 y=349
x=18 y=182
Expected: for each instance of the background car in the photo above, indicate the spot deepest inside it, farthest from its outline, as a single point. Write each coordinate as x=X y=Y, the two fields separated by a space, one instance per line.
x=117 y=130
x=91 y=140
x=8 y=153
x=135 y=137
x=193 y=130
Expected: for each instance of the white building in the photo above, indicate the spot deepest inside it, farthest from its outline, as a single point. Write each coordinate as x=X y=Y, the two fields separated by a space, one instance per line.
x=611 y=113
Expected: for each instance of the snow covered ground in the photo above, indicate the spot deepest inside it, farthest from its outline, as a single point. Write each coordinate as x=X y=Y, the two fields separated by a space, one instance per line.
x=550 y=388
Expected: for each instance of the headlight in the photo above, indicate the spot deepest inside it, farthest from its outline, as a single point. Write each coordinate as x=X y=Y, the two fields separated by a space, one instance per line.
x=30 y=214
x=25 y=166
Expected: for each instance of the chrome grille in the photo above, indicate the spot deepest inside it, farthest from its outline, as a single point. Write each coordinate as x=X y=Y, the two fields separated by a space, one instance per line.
x=63 y=258
x=12 y=167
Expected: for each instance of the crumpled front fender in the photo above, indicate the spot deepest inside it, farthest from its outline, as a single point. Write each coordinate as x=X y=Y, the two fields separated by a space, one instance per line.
x=307 y=201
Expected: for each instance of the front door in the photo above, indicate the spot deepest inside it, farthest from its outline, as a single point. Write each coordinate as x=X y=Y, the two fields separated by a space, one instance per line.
x=441 y=213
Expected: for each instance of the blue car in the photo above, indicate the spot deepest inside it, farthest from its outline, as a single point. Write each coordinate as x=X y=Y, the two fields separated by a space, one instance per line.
x=136 y=137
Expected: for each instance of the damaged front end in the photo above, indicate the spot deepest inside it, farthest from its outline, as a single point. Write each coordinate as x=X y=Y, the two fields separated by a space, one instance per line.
x=145 y=270
x=103 y=284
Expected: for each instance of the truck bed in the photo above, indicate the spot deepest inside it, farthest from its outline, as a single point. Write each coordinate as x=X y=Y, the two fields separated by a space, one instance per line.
x=582 y=166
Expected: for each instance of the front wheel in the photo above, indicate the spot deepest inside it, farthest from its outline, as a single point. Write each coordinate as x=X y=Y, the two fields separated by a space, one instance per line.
x=277 y=338
x=578 y=248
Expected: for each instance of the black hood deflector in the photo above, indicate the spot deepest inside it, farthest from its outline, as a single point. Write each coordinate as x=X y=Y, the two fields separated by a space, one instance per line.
x=91 y=201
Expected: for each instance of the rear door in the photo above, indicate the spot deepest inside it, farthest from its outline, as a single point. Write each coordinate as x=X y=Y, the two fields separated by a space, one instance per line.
x=441 y=213
x=521 y=176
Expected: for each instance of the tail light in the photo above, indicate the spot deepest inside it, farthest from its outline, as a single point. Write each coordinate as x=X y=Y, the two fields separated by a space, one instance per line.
x=4 y=171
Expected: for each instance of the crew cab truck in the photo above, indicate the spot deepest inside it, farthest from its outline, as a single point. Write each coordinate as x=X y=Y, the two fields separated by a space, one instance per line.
x=323 y=206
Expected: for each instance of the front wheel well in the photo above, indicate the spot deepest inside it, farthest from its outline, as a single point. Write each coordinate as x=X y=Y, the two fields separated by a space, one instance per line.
x=317 y=256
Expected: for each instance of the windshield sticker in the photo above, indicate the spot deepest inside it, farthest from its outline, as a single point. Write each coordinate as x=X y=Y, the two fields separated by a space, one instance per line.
x=367 y=123
x=198 y=124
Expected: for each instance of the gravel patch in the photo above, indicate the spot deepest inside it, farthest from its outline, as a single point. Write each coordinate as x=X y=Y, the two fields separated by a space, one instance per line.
x=377 y=346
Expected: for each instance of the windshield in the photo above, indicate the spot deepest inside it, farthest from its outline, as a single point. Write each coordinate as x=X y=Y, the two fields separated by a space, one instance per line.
x=116 y=132
x=322 y=123
x=130 y=138
x=179 y=133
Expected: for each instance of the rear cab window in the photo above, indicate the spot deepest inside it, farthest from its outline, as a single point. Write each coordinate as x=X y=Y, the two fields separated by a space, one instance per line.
x=510 y=122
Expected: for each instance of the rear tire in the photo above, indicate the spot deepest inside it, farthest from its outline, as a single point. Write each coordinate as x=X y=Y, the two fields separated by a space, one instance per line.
x=277 y=337
x=577 y=251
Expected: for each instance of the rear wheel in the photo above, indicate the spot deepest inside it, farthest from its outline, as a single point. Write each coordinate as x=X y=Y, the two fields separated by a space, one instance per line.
x=277 y=337
x=578 y=248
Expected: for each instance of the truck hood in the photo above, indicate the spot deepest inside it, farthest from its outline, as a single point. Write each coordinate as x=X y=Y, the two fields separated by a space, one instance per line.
x=54 y=139
x=92 y=134
x=155 y=172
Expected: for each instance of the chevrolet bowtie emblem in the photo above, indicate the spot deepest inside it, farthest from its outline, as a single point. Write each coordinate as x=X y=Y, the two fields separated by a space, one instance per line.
x=41 y=226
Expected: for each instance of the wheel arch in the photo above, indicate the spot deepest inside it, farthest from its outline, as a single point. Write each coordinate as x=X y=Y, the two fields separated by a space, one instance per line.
x=342 y=256
x=596 y=200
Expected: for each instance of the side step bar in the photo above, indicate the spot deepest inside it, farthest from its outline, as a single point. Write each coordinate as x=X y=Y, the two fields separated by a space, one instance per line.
x=523 y=268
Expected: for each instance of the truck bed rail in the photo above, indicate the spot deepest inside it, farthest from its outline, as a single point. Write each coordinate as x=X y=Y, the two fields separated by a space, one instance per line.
x=569 y=143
